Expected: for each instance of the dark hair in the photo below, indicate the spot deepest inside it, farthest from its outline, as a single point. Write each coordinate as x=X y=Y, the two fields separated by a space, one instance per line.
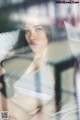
x=21 y=40
x=48 y=31
x=22 y=45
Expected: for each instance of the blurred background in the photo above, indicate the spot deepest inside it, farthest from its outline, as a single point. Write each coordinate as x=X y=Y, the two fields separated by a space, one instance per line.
x=13 y=13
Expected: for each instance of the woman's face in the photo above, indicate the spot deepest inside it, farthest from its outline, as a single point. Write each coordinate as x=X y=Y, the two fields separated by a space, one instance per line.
x=36 y=37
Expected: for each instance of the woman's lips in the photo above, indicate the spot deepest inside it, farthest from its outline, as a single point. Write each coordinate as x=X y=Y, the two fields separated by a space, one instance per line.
x=33 y=44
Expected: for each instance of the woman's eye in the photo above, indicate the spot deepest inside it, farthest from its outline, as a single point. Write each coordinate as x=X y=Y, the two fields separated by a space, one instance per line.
x=27 y=31
x=39 y=29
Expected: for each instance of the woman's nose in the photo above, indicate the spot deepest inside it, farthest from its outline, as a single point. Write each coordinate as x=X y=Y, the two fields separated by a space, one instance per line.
x=33 y=34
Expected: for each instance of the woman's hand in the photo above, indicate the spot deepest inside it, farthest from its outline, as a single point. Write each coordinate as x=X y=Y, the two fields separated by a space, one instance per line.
x=2 y=70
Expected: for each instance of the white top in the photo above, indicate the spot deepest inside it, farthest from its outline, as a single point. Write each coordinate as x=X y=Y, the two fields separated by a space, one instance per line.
x=38 y=84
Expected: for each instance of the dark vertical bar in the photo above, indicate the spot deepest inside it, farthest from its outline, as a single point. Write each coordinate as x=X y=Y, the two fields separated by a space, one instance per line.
x=57 y=90
x=3 y=88
x=3 y=94
x=60 y=67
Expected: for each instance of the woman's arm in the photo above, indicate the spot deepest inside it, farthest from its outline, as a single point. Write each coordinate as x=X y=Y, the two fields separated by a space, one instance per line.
x=7 y=42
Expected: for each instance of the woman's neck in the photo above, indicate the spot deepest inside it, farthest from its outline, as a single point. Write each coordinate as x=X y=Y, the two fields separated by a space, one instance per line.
x=42 y=55
x=39 y=60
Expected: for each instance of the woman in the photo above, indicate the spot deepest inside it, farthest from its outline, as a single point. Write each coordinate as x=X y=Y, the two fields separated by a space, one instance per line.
x=38 y=96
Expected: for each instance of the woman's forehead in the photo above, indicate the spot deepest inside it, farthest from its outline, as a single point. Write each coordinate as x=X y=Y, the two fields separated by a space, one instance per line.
x=32 y=24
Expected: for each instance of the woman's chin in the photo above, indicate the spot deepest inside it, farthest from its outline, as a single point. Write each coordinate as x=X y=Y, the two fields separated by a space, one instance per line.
x=35 y=50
